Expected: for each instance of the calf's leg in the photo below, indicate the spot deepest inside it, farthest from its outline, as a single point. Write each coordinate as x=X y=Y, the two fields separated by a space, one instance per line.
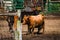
x=41 y=27
x=33 y=29
x=29 y=30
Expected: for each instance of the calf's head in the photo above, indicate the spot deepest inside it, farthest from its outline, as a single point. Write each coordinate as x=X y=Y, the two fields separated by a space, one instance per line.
x=25 y=19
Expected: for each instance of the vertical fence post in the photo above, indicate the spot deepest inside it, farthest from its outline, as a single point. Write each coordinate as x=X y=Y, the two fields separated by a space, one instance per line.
x=19 y=26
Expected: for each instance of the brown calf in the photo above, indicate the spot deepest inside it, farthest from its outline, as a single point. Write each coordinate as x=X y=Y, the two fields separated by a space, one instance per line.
x=34 y=22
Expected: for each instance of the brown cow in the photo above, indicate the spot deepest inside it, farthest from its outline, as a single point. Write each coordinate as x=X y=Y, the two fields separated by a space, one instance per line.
x=34 y=22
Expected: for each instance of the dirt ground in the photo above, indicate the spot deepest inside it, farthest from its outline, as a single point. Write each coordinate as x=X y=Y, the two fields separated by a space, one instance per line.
x=4 y=31
x=52 y=31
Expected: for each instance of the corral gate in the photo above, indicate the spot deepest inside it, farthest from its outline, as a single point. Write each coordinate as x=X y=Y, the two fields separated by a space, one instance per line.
x=53 y=6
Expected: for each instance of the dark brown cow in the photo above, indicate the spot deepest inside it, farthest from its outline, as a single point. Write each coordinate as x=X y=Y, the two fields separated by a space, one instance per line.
x=34 y=22
x=10 y=20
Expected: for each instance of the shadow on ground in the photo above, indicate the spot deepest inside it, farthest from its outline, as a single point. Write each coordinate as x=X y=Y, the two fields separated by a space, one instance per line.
x=42 y=37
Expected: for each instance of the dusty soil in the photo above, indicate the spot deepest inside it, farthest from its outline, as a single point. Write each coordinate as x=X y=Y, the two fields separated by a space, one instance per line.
x=4 y=31
x=52 y=31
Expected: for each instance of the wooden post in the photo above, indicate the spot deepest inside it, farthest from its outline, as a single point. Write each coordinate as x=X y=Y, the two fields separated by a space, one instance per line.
x=17 y=26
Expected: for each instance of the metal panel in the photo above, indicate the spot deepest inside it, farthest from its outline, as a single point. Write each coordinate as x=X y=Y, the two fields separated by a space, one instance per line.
x=54 y=6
